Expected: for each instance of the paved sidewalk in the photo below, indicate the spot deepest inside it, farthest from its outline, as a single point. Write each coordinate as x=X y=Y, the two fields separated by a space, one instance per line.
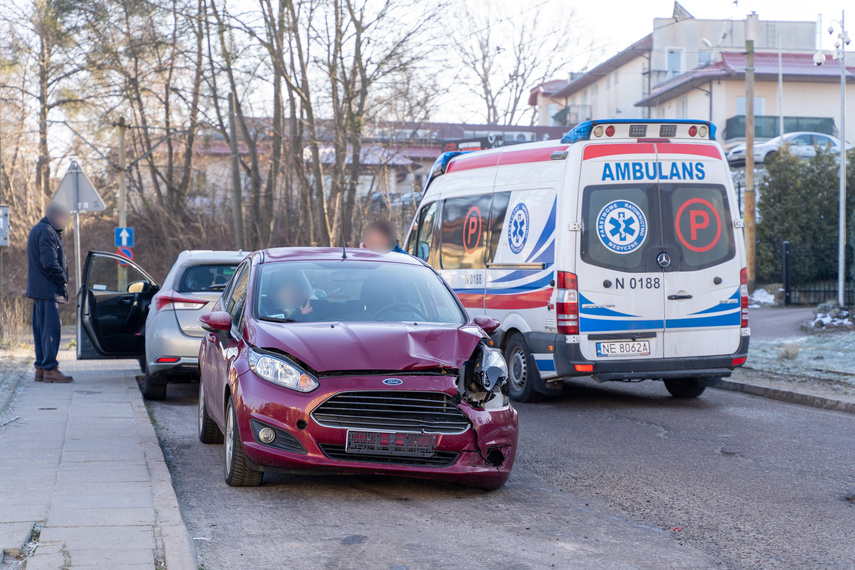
x=81 y=469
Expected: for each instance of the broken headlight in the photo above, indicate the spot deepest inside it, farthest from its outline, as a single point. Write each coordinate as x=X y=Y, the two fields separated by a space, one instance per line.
x=485 y=378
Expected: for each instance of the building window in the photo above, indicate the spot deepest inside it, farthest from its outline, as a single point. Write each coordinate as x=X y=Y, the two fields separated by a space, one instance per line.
x=675 y=62
x=584 y=96
x=683 y=108
x=608 y=80
x=704 y=58
x=595 y=90
x=551 y=111
x=759 y=106
x=615 y=82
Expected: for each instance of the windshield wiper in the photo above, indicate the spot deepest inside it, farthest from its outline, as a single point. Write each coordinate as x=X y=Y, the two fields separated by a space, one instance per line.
x=277 y=320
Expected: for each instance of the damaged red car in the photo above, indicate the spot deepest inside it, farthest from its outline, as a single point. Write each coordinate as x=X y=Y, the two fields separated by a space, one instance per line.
x=351 y=361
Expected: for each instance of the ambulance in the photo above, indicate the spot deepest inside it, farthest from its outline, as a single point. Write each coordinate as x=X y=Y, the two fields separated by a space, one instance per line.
x=616 y=253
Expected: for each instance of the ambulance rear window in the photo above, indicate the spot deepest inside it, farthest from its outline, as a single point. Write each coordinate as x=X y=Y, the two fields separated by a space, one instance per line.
x=620 y=226
x=698 y=224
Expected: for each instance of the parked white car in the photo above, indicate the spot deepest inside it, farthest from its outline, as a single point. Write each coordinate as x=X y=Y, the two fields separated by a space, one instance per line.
x=801 y=144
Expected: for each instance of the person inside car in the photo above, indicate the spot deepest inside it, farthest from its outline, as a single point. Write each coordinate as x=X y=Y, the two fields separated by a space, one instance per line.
x=380 y=236
x=290 y=298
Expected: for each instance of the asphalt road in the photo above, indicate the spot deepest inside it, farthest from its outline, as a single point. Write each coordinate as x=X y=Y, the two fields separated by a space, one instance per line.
x=610 y=476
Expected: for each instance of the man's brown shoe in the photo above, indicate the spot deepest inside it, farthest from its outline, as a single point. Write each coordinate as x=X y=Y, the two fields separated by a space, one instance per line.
x=40 y=374
x=54 y=376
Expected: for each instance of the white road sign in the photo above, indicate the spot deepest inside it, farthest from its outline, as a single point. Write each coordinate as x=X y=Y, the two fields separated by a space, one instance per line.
x=77 y=193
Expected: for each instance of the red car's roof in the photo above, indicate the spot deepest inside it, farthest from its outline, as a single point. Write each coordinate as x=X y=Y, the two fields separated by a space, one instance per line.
x=333 y=253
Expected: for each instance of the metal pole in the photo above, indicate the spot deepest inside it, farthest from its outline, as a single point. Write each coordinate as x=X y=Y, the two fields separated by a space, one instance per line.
x=780 y=90
x=123 y=270
x=750 y=217
x=841 y=241
x=237 y=194
x=77 y=269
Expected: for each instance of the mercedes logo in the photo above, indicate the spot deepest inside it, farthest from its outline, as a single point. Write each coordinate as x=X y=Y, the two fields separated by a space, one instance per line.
x=664 y=260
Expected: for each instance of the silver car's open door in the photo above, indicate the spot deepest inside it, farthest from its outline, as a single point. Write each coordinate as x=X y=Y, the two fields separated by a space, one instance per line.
x=112 y=305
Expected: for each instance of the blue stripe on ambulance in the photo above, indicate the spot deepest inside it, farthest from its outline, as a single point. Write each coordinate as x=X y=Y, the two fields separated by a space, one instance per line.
x=722 y=307
x=545 y=364
x=547 y=232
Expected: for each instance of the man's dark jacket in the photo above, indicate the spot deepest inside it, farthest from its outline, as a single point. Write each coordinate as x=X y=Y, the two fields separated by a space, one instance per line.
x=47 y=273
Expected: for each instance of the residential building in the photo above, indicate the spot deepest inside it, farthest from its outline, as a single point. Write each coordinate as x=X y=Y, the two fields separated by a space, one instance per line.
x=694 y=68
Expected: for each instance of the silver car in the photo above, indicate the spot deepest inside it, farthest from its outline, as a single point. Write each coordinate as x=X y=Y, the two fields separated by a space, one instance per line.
x=802 y=144
x=172 y=329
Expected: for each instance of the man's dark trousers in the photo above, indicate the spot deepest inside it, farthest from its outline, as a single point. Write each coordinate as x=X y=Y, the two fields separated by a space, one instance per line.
x=46 y=332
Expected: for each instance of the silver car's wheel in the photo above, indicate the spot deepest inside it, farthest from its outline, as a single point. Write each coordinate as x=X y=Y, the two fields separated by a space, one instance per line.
x=238 y=472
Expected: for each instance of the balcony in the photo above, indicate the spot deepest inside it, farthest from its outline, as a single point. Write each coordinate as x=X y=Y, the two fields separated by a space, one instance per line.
x=572 y=115
x=766 y=126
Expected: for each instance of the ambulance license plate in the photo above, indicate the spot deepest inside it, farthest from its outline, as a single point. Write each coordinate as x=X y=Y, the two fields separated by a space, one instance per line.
x=390 y=443
x=624 y=348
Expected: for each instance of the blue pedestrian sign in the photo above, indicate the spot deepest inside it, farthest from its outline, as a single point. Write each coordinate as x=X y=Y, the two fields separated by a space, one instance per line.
x=124 y=237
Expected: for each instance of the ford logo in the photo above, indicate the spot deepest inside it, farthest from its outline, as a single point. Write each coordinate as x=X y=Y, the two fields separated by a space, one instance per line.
x=393 y=381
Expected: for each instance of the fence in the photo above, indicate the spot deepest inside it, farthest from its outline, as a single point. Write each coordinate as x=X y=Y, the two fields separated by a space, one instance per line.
x=808 y=272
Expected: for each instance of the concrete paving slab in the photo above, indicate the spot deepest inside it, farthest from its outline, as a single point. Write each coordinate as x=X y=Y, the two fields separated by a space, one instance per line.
x=53 y=561
x=95 y=538
x=22 y=513
x=100 y=517
x=112 y=558
x=13 y=536
x=96 y=500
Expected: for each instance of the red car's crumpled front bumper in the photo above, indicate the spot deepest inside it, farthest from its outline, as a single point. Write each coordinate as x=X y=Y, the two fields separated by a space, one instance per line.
x=485 y=449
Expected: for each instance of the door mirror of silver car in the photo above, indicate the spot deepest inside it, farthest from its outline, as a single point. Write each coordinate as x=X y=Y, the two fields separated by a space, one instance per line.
x=218 y=321
x=488 y=324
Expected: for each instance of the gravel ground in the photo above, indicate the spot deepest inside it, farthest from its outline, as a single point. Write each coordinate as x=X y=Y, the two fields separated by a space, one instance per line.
x=826 y=359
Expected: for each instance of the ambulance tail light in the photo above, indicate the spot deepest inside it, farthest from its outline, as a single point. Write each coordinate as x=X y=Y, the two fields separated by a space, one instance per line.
x=743 y=297
x=567 y=303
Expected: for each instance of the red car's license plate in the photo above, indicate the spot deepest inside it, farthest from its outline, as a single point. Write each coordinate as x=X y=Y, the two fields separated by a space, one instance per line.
x=386 y=443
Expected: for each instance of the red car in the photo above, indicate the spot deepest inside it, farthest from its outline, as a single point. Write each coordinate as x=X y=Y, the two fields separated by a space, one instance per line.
x=353 y=362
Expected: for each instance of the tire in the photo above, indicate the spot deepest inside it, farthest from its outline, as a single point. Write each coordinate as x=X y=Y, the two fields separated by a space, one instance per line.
x=522 y=371
x=238 y=473
x=153 y=389
x=208 y=430
x=769 y=156
x=684 y=389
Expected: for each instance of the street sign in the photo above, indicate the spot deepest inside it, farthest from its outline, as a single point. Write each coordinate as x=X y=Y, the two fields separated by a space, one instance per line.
x=125 y=252
x=124 y=237
x=77 y=193
x=4 y=226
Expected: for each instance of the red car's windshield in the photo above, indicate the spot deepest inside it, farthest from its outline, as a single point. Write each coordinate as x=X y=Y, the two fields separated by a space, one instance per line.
x=353 y=291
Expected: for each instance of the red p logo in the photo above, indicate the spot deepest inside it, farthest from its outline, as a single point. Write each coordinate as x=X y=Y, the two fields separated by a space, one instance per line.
x=472 y=229
x=698 y=220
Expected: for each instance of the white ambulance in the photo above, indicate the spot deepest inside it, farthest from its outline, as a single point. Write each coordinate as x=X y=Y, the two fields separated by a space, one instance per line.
x=616 y=252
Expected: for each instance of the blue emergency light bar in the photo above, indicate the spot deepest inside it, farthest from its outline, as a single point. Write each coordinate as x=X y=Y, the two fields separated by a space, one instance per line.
x=441 y=164
x=582 y=131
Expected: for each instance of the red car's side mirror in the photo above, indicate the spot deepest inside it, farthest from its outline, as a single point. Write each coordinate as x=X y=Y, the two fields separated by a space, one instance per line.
x=488 y=324
x=217 y=321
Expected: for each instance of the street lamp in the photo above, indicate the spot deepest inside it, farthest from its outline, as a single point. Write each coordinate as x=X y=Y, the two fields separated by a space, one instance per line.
x=819 y=58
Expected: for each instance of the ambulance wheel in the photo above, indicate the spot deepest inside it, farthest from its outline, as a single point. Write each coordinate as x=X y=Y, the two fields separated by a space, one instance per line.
x=522 y=371
x=684 y=388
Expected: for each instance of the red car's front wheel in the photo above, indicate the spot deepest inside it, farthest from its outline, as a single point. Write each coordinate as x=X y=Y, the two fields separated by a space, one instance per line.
x=238 y=472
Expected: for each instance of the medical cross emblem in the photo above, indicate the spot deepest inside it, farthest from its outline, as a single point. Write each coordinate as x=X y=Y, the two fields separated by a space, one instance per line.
x=518 y=228
x=621 y=226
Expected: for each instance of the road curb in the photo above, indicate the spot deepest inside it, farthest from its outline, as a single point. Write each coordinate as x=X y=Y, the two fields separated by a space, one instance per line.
x=178 y=551
x=787 y=396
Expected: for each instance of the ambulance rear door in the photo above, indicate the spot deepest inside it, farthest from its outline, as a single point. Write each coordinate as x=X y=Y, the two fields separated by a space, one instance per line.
x=702 y=276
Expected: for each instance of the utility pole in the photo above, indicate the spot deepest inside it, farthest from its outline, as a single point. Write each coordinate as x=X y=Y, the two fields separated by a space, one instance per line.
x=840 y=44
x=780 y=90
x=750 y=204
x=237 y=194
x=123 y=128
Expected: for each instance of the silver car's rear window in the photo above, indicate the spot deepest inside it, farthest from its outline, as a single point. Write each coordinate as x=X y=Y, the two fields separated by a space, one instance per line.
x=208 y=277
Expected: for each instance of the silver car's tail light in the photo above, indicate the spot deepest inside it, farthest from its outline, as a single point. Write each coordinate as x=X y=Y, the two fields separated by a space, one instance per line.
x=177 y=302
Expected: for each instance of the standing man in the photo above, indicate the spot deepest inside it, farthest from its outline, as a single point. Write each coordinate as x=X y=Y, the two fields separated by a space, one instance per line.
x=380 y=236
x=47 y=277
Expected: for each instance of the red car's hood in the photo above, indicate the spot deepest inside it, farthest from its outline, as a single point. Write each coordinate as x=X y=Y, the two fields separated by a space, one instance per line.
x=368 y=346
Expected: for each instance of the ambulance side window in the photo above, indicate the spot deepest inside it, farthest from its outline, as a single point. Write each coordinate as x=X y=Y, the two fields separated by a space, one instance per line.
x=464 y=232
x=497 y=222
x=422 y=235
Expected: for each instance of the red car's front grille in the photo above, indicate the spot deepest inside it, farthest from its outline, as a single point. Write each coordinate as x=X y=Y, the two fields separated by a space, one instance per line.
x=393 y=411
